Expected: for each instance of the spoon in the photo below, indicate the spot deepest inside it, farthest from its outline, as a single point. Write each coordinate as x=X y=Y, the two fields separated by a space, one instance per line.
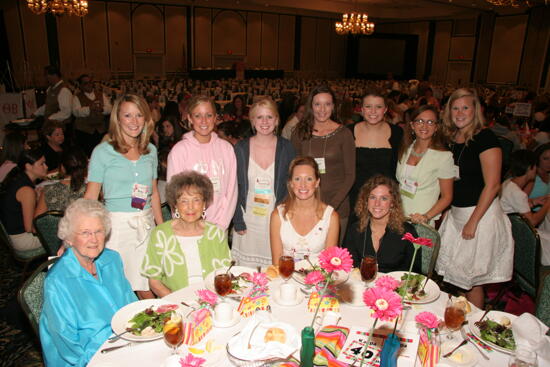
x=230 y=266
x=115 y=337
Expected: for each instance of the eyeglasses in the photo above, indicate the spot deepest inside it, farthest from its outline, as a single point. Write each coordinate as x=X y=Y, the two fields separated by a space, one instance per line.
x=87 y=234
x=427 y=122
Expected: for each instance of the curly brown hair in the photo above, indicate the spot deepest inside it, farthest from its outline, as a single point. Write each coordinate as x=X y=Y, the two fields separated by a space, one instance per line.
x=189 y=180
x=396 y=219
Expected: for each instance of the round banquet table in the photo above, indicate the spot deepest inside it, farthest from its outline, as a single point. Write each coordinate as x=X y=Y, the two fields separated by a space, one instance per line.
x=154 y=353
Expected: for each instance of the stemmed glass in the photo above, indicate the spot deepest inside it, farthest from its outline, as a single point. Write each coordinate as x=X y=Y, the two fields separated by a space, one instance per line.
x=286 y=267
x=173 y=331
x=369 y=269
x=454 y=316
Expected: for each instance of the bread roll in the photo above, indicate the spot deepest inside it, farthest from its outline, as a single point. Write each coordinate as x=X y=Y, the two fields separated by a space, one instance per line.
x=275 y=334
x=272 y=272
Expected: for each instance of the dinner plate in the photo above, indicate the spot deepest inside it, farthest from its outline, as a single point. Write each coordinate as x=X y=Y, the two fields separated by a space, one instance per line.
x=338 y=277
x=276 y=295
x=22 y=122
x=236 y=270
x=495 y=316
x=126 y=313
x=432 y=289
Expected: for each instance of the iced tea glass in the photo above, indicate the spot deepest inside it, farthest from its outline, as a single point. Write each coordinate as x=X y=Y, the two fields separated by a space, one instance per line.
x=369 y=269
x=222 y=282
x=172 y=331
x=454 y=316
x=286 y=267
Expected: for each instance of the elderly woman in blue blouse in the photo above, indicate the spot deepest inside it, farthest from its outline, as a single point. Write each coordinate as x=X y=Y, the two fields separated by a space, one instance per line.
x=83 y=290
x=186 y=249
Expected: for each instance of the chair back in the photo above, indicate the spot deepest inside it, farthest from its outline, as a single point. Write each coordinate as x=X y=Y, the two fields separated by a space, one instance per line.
x=46 y=228
x=31 y=294
x=543 y=307
x=526 y=254
x=23 y=256
x=166 y=212
x=429 y=255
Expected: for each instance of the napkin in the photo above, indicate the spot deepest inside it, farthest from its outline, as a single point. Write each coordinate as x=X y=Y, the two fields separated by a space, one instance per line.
x=530 y=332
x=258 y=326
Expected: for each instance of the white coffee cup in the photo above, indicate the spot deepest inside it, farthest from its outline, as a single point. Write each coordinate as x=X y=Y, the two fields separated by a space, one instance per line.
x=329 y=318
x=288 y=292
x=223 y=312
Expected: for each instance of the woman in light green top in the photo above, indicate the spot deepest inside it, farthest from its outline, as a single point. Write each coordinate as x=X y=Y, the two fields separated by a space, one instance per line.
x=425 y=168
x=188 y=248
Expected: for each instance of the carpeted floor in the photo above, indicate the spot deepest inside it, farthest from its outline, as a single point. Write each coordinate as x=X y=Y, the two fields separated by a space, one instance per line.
x=18 y=344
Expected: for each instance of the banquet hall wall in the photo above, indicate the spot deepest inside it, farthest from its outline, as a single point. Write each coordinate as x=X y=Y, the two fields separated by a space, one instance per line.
x=150 y=39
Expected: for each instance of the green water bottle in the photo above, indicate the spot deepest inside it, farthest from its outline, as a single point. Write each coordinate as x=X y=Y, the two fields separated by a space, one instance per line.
x=308 y=347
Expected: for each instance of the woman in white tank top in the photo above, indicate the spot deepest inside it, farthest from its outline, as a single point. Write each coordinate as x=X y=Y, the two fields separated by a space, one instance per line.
x=303 y=224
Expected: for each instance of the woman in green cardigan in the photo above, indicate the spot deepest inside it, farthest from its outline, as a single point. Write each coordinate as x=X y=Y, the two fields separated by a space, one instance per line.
x=186 y=249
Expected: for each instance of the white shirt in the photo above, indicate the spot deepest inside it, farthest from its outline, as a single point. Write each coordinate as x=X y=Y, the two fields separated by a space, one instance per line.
x=64 y=99
x=513 y=199
x=80 y=111
x=189 y=246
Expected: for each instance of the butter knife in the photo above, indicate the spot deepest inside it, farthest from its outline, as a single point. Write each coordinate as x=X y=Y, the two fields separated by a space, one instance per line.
x=110 y=349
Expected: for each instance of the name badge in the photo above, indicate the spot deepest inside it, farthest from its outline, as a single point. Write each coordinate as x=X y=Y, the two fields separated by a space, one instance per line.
x=321 y=164
x=139 y=196
x=216 y=183
x=408 y=188
x=263 y=195
x=456 y=172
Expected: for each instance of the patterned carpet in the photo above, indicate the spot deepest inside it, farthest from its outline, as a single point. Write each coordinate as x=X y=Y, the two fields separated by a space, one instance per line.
x=18 y=344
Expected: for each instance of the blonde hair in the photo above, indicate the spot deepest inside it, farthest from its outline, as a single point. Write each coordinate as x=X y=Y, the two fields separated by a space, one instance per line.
x=449 y=127
x=115 y=135
x=266 y=103
x=196 y=100
x=396 y=216
x=290 y=201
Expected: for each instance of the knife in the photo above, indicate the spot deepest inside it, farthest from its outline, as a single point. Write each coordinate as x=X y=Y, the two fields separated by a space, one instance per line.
x=110 y=349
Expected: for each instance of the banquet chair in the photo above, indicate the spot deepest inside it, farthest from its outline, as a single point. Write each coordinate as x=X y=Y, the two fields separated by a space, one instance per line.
x=31 y=294
x=24 y=257
x=543 y=305
x=46 y=228
x=526 y=254
x=429 y=255
x=166 y=212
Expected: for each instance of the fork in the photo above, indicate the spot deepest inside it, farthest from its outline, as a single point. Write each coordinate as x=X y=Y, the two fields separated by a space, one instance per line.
x=474 y=344
x=491 y=305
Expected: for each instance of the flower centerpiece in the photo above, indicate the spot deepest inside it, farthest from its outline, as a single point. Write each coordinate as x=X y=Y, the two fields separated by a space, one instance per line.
x=417 y=242
x=429 y=347
x=191 y=361
x=331 y=260
x=207 y=299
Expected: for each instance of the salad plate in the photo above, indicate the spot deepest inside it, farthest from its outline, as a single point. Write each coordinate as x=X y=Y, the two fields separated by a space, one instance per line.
x=122 y=317
x=431 y=290
x=240 y=286
x=302 y=268
x=494 y=334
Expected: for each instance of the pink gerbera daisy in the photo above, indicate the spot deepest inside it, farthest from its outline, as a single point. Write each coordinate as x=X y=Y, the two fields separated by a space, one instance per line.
x=314 y=277
x=259 y=279
x=206 y=296
x=427 y=319
x=192 y=361
x=335 y=259
x=388 y=282
x=385 y=303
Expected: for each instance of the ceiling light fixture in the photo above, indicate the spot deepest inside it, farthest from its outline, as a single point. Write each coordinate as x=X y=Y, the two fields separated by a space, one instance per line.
x=354 y=23
x=512 y=3
x=59 y=7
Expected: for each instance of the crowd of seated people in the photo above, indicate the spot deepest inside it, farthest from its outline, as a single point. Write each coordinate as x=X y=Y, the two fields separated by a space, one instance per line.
x=358 y=164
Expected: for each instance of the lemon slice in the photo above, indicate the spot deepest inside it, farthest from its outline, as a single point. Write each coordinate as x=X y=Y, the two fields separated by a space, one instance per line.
x=196 y=350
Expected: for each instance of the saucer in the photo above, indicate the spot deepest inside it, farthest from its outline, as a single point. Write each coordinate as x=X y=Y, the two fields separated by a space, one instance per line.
x=229 y=323
x=277 y=298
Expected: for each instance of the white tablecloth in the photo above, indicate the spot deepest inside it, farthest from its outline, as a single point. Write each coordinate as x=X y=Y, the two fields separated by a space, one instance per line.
x=154 y=353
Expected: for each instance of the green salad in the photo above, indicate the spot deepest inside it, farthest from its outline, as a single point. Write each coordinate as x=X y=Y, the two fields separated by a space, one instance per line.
x=412 y=290
x=150 y=321
x=498 y=334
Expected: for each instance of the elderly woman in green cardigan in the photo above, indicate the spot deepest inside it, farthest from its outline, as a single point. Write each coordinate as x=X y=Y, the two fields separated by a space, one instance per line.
x=186 y=249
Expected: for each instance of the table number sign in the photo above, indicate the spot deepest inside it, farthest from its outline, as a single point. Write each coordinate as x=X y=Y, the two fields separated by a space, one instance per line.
x=358 y=336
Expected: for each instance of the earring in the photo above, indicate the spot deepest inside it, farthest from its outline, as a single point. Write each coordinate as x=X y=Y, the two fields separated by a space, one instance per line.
x=203 y=213
x=177 y=214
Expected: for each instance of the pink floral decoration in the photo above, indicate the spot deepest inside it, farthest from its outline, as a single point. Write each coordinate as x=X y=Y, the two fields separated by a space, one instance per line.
x=314 y=277
x=335 y=259
x=259 y=279
x=385 y=303
x=388 y=282
x=417 y=240
x=427 y=319
x=192 y=361
x=206 y=296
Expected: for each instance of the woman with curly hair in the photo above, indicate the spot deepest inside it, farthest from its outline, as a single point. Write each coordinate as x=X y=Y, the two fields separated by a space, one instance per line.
x=380 y=226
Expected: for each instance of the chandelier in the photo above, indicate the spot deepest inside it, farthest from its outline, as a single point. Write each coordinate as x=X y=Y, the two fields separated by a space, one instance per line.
x=512 y=3
x=59 y=7
x=354 y=23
